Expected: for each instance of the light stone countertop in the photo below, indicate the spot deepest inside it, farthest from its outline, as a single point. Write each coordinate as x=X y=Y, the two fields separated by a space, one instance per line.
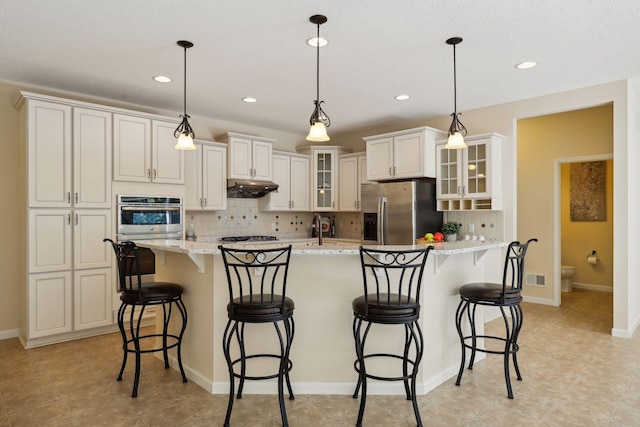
x=207 y=246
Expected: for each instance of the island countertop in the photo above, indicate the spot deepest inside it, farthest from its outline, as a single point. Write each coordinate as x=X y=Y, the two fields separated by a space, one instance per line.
x=310 y=246
x=323 y=281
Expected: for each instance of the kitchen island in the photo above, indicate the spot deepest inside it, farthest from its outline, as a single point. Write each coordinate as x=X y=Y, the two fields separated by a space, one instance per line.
x=323 y=280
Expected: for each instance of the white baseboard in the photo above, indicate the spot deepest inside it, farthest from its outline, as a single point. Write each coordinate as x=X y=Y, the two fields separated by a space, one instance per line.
x=270 y=387
x=535 y=300
x=11 y=333
x=624 y=333
x=589 y=287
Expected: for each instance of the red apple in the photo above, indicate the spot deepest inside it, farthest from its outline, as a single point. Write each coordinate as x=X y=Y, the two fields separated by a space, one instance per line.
x=438 y=237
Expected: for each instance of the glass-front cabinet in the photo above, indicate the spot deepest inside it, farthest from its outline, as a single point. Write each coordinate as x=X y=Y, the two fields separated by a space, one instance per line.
x=325 y=178
x=470 y=178
x=324 y=184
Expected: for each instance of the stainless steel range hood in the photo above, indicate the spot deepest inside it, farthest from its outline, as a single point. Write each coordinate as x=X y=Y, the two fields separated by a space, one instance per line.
x=245 y=189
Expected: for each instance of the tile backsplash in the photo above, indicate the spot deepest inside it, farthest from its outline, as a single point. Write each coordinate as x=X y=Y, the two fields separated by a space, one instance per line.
x=243 y=217
x=489 y=224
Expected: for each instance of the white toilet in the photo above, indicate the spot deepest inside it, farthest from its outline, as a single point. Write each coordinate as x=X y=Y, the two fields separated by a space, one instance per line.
x=566 y=273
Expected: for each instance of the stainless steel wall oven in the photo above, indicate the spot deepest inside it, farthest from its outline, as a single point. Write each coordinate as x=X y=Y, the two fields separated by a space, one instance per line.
x=149 y=217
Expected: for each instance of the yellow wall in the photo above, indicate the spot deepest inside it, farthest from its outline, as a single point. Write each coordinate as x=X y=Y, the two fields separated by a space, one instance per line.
x=12 y=210
x=579 y=238
x=542 y=140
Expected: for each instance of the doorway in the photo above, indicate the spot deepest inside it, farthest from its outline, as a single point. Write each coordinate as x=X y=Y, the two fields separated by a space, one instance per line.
x=576 y=237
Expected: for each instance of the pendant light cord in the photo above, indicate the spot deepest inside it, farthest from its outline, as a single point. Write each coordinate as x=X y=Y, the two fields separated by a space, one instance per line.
x=185 y=79
x=318 y=64
x=455 y=92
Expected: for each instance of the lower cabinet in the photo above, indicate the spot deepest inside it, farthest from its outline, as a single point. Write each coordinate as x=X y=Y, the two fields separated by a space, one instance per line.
x=70 y=280
x=49 y=304
x=92 y=290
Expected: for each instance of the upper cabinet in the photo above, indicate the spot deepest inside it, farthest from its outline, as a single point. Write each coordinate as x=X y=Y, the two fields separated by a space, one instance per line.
x=401 y=155
x=470 y=178
x=68 y=166
x=352 y=171
x=143 y=151
x=291 y=173
x=91 y=158
x=206 y=177
x=249 y=157
x=324 y=171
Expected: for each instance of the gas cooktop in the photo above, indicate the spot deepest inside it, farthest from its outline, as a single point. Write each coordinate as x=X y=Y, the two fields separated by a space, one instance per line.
x=248 y=238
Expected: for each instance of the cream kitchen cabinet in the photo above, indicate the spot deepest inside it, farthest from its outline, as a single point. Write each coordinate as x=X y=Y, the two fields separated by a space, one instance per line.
x=324 y=173
x=249 y=157
x=291 y=173
x=470 y=178
x=62 y=173
x=69 y=271
x=143 y=151
x=206 y=177
x=402 y=155
x=92 y=291
x=352 y=171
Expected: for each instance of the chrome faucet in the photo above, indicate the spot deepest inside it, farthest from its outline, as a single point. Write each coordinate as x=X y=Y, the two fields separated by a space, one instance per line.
x=318 y=222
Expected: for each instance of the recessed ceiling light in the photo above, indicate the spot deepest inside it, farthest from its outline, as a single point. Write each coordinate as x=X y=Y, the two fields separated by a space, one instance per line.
x=249 y=99
x=162 y=79
x=402 y=97
x=525 y=65
x=313 y=42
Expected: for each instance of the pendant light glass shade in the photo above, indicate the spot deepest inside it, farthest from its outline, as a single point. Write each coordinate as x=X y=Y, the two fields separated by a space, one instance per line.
x=318 y=133
x=184 y=132
x=319 y=121
x=457 y=131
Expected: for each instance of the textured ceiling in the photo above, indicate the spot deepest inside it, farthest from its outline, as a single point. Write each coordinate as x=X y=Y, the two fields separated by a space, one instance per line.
x=377 y=49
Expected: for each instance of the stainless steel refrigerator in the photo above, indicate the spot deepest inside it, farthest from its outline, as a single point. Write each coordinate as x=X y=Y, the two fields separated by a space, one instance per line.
x=397 y=213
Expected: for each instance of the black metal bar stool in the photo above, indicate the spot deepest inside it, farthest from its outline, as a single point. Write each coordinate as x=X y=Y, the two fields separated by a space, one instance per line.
x=137 y=296
x=503 y=295
x=257 y=282
x=392 y=283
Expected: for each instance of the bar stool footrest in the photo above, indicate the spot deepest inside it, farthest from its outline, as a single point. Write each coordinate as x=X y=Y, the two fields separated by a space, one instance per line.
x=514 y=346
x=263 y=377
x=411 y=362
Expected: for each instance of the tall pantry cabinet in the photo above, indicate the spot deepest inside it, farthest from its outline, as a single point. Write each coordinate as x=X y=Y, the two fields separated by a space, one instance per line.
x=66 y=157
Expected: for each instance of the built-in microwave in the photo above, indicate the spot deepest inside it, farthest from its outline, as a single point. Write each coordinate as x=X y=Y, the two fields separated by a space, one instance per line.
x=149 y=217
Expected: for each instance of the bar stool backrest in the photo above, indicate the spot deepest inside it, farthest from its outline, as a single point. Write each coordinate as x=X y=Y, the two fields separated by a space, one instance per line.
x=257 y=276
x=129 y=268
x=512 y=277
x=393 y=278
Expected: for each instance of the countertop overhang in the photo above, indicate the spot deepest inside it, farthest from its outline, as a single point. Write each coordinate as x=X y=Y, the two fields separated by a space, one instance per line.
x=310 y=246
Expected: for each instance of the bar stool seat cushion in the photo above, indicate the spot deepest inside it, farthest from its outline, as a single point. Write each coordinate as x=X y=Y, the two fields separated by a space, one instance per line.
x=393 y=307
x=490 y=292
x=255 y=305
x=153 y=292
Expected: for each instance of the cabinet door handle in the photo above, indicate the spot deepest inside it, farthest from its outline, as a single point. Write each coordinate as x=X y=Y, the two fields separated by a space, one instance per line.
x=390 y=171
x=464 y=190
x=68 y=197
x=155 y=173
x=76 y=219
x=68 y=219
x=205 y=202
x=394 y=171
x=76 y=197
x=149 y=173
x=355 y=204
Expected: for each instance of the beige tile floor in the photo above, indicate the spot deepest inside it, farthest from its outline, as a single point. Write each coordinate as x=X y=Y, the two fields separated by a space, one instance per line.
x=575 y=374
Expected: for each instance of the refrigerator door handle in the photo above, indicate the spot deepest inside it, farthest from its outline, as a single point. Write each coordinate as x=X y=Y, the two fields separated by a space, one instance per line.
x=382 y=207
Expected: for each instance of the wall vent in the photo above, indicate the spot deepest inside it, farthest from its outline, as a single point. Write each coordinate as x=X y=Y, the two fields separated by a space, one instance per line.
x=536 y=279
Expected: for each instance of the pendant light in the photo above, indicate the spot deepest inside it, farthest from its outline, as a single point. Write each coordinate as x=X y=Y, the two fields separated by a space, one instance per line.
x=319 y=120
x=457 y=131
x=184 y=133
